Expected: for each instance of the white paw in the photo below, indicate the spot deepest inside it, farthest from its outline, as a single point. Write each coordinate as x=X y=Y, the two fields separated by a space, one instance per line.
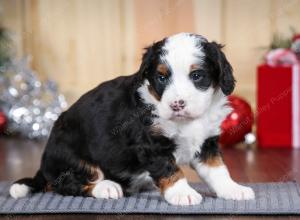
x=182 y=194
x=19 y=190
x=236 y=192
x=106 y=189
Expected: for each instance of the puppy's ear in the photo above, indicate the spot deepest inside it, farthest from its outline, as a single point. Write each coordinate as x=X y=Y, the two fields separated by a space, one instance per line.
x=146 y=61
x=225 y=77
x=151 y=56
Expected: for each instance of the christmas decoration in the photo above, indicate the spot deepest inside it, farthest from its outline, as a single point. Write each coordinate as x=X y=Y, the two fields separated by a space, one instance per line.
x=279 y=41
x=250 y=138
x=278 y=109
x=30 y=105
x=284 y=51
x=3 y=121
x=281 y=56
x=238 y=123
x=278 y=95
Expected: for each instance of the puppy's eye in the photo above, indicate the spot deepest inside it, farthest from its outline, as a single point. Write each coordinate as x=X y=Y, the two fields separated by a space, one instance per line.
x=161 y=78
x=196 y=76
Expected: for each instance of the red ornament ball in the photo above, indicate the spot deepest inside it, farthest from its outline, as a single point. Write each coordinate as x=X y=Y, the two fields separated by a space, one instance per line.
x=3 y=121
x=238 y=123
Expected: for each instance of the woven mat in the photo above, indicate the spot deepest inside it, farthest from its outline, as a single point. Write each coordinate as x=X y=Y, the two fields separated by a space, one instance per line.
x=271 y=198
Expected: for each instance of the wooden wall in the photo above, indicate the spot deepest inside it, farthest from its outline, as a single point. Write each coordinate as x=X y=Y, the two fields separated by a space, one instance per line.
x=80 y=43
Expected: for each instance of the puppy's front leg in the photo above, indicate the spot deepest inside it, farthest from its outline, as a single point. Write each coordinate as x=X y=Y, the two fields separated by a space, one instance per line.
x=210 y=167
x=173 y=185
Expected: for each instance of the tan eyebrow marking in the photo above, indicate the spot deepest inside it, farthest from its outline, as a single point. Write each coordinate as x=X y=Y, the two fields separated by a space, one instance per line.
x=153 y=93
x=163 y=69
x=194 y=67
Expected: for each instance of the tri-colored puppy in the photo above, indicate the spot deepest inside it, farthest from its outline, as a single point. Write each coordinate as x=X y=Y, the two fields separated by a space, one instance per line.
x=133 y=131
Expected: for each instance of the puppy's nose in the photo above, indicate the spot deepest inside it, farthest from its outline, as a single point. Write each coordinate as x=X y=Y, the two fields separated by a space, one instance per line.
x=177 y=105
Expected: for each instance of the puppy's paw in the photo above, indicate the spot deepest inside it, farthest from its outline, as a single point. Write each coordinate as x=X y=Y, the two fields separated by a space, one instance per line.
x=236 y=192
x=182 y=194
x=107 y=189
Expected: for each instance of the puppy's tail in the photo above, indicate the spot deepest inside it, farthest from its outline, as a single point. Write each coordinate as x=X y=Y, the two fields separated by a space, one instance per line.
x=23 y=187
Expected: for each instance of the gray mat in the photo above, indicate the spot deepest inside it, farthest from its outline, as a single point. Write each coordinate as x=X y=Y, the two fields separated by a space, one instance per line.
x=271 y=198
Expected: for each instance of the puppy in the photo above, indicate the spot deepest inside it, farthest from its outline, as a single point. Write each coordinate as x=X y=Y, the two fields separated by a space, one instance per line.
x=133 y=132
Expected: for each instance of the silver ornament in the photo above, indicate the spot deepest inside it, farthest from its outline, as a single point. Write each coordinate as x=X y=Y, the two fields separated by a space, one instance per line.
x=31 y=106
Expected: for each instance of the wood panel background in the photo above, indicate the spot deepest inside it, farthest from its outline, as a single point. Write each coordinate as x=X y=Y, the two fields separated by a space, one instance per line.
x=80 y=43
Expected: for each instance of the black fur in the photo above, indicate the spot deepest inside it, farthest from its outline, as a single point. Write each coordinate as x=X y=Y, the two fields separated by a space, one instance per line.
x=108 y=127
x=209 y=149
x=217 y=64
x=205 y=81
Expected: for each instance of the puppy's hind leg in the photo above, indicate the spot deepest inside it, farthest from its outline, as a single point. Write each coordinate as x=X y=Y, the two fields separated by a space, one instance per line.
x=98 y=186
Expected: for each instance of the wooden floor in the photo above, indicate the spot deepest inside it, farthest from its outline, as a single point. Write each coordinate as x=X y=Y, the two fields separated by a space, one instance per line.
x=19 y=158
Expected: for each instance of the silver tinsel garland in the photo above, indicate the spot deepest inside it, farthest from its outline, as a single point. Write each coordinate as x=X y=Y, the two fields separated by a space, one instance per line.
x=30 y=105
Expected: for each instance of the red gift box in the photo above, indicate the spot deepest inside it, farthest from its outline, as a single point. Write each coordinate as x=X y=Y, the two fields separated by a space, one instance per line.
x=278 y=106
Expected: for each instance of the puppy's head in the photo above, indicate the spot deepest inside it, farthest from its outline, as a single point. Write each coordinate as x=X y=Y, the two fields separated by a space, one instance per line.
x=181 y=75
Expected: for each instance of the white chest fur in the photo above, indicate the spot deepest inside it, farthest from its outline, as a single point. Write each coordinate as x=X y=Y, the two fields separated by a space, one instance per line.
x=190 y=135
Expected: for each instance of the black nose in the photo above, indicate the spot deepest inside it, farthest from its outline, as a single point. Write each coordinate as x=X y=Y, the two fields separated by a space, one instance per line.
x=177 y=105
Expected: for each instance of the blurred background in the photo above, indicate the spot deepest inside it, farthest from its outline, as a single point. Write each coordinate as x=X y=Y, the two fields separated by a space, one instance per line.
x=80 y=43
